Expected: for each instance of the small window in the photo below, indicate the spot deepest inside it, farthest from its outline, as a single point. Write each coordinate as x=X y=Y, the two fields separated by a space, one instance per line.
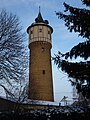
x=40 y=30
x=43 y=49
x=48 y=32
x=31 y=32
x=43 y=71
x=49 y=35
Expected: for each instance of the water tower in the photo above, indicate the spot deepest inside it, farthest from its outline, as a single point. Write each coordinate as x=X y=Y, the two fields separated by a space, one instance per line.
x=40 y=68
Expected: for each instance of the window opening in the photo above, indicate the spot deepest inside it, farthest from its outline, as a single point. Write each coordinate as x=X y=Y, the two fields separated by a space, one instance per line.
x=43 y=71
x=40 y=30
x=48 y=32
x=31 y=32
x=43 y=49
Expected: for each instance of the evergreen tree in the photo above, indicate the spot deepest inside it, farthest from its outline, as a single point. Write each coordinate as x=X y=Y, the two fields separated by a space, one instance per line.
x=77 y=20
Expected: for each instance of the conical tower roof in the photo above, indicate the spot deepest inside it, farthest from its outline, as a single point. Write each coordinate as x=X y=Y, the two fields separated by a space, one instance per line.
x=39 y=17
x=40 y=21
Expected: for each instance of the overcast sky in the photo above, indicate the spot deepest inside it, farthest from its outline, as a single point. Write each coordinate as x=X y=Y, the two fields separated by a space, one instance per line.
x=62 y=40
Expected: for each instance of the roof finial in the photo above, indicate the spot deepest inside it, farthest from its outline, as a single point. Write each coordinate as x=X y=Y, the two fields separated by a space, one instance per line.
x=39 y=9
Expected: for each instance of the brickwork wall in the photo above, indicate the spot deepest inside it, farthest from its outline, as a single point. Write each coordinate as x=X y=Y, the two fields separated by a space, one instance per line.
x=41 y=87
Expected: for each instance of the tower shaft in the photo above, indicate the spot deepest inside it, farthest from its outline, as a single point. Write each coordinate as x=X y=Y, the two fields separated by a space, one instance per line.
x=40 y=68
x=40 y=72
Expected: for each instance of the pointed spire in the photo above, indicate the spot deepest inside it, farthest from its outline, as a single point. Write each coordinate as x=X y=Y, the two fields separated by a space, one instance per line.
x=39 y=17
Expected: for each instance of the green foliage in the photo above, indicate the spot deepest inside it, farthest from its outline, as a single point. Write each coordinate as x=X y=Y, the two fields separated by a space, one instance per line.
x=77 y=20
x=87 y=2
x=82 y=50
x=74 y=69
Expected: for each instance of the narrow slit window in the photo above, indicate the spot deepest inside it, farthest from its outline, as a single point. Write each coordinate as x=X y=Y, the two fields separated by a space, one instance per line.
x=48 y=32
x=49 y=35
x=43 y=71
x=31 y=32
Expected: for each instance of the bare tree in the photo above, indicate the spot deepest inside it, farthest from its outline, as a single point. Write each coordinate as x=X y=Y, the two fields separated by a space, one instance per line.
x=13 y=56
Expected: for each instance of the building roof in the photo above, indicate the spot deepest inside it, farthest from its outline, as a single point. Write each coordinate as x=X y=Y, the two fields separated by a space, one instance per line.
x=39 y=18
x=40 y=21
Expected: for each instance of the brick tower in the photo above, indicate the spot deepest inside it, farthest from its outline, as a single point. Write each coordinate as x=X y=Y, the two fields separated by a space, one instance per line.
x=40 y=68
